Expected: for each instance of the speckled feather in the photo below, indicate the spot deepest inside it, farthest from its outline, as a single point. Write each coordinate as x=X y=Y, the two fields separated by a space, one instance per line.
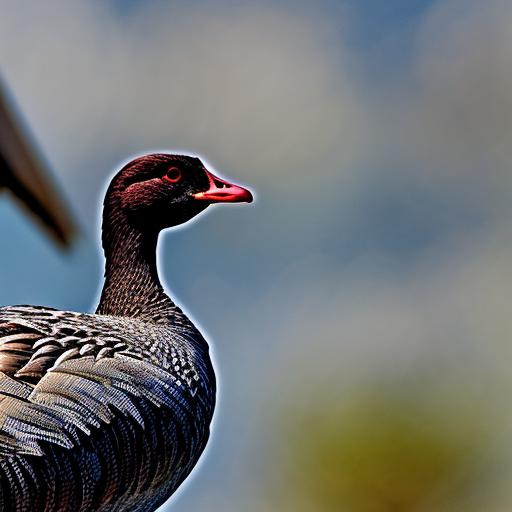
x=114 y=400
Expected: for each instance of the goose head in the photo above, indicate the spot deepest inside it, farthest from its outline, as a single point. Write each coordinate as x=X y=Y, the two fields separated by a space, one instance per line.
x=164 y=190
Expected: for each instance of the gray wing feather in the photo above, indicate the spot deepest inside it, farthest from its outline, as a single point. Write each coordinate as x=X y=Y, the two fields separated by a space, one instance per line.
x=80 y=409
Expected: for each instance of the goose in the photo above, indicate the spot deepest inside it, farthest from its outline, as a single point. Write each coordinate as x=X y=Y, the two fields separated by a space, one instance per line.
x=111 y=411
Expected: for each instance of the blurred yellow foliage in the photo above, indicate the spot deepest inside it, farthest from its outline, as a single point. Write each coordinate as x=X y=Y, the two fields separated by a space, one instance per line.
x=383 y=450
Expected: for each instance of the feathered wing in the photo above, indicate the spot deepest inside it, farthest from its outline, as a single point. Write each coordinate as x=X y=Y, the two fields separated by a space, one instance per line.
x=79 y=408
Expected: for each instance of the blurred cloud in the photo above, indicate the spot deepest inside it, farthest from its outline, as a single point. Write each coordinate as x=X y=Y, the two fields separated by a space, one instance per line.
x=465 y=81
x=452 y=108
x=258 y=90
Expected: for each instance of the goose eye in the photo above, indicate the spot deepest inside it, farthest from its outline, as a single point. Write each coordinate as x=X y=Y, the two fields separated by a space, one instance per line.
x=173 y=175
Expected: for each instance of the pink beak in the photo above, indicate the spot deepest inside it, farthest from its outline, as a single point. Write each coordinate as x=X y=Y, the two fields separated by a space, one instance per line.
x=221 y=191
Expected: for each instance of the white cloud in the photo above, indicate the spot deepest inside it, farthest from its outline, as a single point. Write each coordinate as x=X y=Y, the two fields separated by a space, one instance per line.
x=460 y=117
x=254 y=89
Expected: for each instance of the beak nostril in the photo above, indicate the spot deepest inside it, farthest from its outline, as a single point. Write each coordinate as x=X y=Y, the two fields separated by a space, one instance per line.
x=219 y=184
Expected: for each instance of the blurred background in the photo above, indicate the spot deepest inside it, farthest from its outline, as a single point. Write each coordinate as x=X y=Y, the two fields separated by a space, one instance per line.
x=359 y=311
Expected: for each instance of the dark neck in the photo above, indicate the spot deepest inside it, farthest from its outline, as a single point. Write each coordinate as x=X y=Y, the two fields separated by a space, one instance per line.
x=132 y=287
